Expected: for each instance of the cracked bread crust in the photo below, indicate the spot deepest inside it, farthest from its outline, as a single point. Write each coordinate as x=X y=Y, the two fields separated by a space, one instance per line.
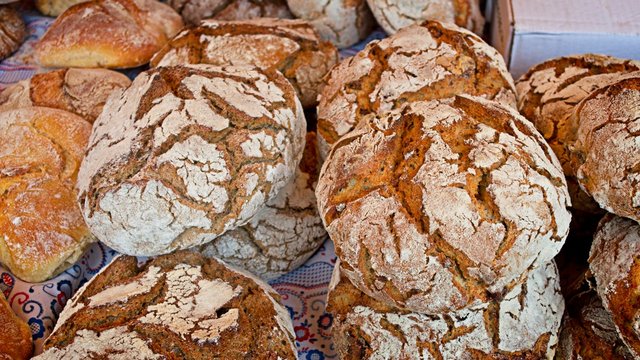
x=607 y=146
x=523 y=325
x=178 y=306
x=285 y=233
x=394 y=15
x=444 y=204
x=290 y=46
x=421 y=62
x=187 y=153
x=343 y=22
x=136 y=30
x=12 y=31
x=547 y=96
x=615 y=263
x=194 y=11
x=79 y=91
x=42 y=231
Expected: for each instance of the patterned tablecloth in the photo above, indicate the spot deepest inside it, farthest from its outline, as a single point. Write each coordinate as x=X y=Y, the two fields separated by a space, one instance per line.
x=303 y=291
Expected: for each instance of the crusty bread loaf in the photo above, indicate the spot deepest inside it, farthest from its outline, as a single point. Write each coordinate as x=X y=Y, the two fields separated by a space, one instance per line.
x=12 y=31
x=178 y=306
x=285 y=233
x=606 y=146
x=290 y=46
x=394 y=15
x=547 y=95
x=187 y=153
x=55 y=7
x=80 y=91
x=524 y=325
x=42 y=231
x=425 y=62
x=16 y=341
x=194 y=11
x=343 y=22
x=444 y=204
x=108 y=34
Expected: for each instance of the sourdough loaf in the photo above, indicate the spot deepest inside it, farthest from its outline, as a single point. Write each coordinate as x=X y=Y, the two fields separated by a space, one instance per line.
x=80 y=91
x=16 y=341
x=194 y=11
x=421 y=62
x=187 y=153
x=290 y=46
x=178 y=306
x=12 y=31
x=444 y=204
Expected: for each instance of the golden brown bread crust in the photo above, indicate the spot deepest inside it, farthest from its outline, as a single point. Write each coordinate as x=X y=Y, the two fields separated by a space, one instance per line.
x=55 y=7
x=194 y=11
x=12 y=31
x=16 y=343
x=42 y=231
x=79 y=91
x=136 y=30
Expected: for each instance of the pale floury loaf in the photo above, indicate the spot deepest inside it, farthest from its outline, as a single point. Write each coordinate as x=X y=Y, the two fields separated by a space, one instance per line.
x=343 y=22
x=175 y=306
x=523 y=325
x=444 y=204
x=421 y=62
x=187 y=153
x=194 y=11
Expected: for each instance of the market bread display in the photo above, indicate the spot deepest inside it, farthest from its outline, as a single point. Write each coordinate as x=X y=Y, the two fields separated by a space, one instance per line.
x=178 y=306
x=55 y=7
x=394 y=15
x=443 y=205
x=523 y=325
x=285 y=233
x=343 y=22
x=187 y=153
x=42 y=231
x=12 y=31
x=108 y=34
x=194 y=11
x=290 y=46
x=80 y=91
x=548 y=94
x=16 y=341
x=421 y=62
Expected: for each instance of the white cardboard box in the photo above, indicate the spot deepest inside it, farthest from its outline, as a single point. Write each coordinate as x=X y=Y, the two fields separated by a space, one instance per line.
x=528 y=32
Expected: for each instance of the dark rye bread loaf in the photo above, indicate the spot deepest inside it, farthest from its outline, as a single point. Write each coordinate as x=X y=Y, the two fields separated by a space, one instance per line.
x=178 y=306
x=12 y=31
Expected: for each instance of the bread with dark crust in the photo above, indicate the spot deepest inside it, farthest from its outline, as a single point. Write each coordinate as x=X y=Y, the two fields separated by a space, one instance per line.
x=12 y=31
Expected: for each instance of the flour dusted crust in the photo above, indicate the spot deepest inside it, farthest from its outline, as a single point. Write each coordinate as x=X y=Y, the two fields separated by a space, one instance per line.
x=80 y=91
x=615 y=264
x=443 y=204
x=343 y=22
x=285 y=233
x=180 y=305
x=17 y=343
x=108 y=34
x=187 y=153
x=12 y=31
x=421 y=62
x=394 y=15
x=42 y=231
x=290 y=46
x=523 y=325
x=194 y=11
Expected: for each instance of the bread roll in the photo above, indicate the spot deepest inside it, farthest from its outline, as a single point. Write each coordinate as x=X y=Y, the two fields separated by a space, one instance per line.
x=187 y=153
x=12 y=31
x=108 y=34
x=444 y=204
x=16 y=341
x=425 y=62
x=80 y=91
x=343 y=22
x=42 y=231
x=55 y=7
x=524 y=325
x=178 y=306
x=194 y=11
x=290 y=46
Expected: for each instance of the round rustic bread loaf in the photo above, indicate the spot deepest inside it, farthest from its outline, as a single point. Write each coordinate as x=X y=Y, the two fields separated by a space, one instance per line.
x=425 y=62
x=607 y=149
x=187 y=153
x=615 y=263
x=178 y=306
x=523 y=325
x=80 y=91
x=194 y=11
x=444 y=204
x=12 y=31
x=343 y=22
x=547 y=95
x=394 y=15
x=108 y=34
x=285 y=233
x=17 y=343
x=42 y=231
x=290 y=46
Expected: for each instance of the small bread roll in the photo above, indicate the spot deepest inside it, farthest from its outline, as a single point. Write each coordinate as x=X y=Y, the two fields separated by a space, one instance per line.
x=12 y=31
x=194 y=11
x=16 y=343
